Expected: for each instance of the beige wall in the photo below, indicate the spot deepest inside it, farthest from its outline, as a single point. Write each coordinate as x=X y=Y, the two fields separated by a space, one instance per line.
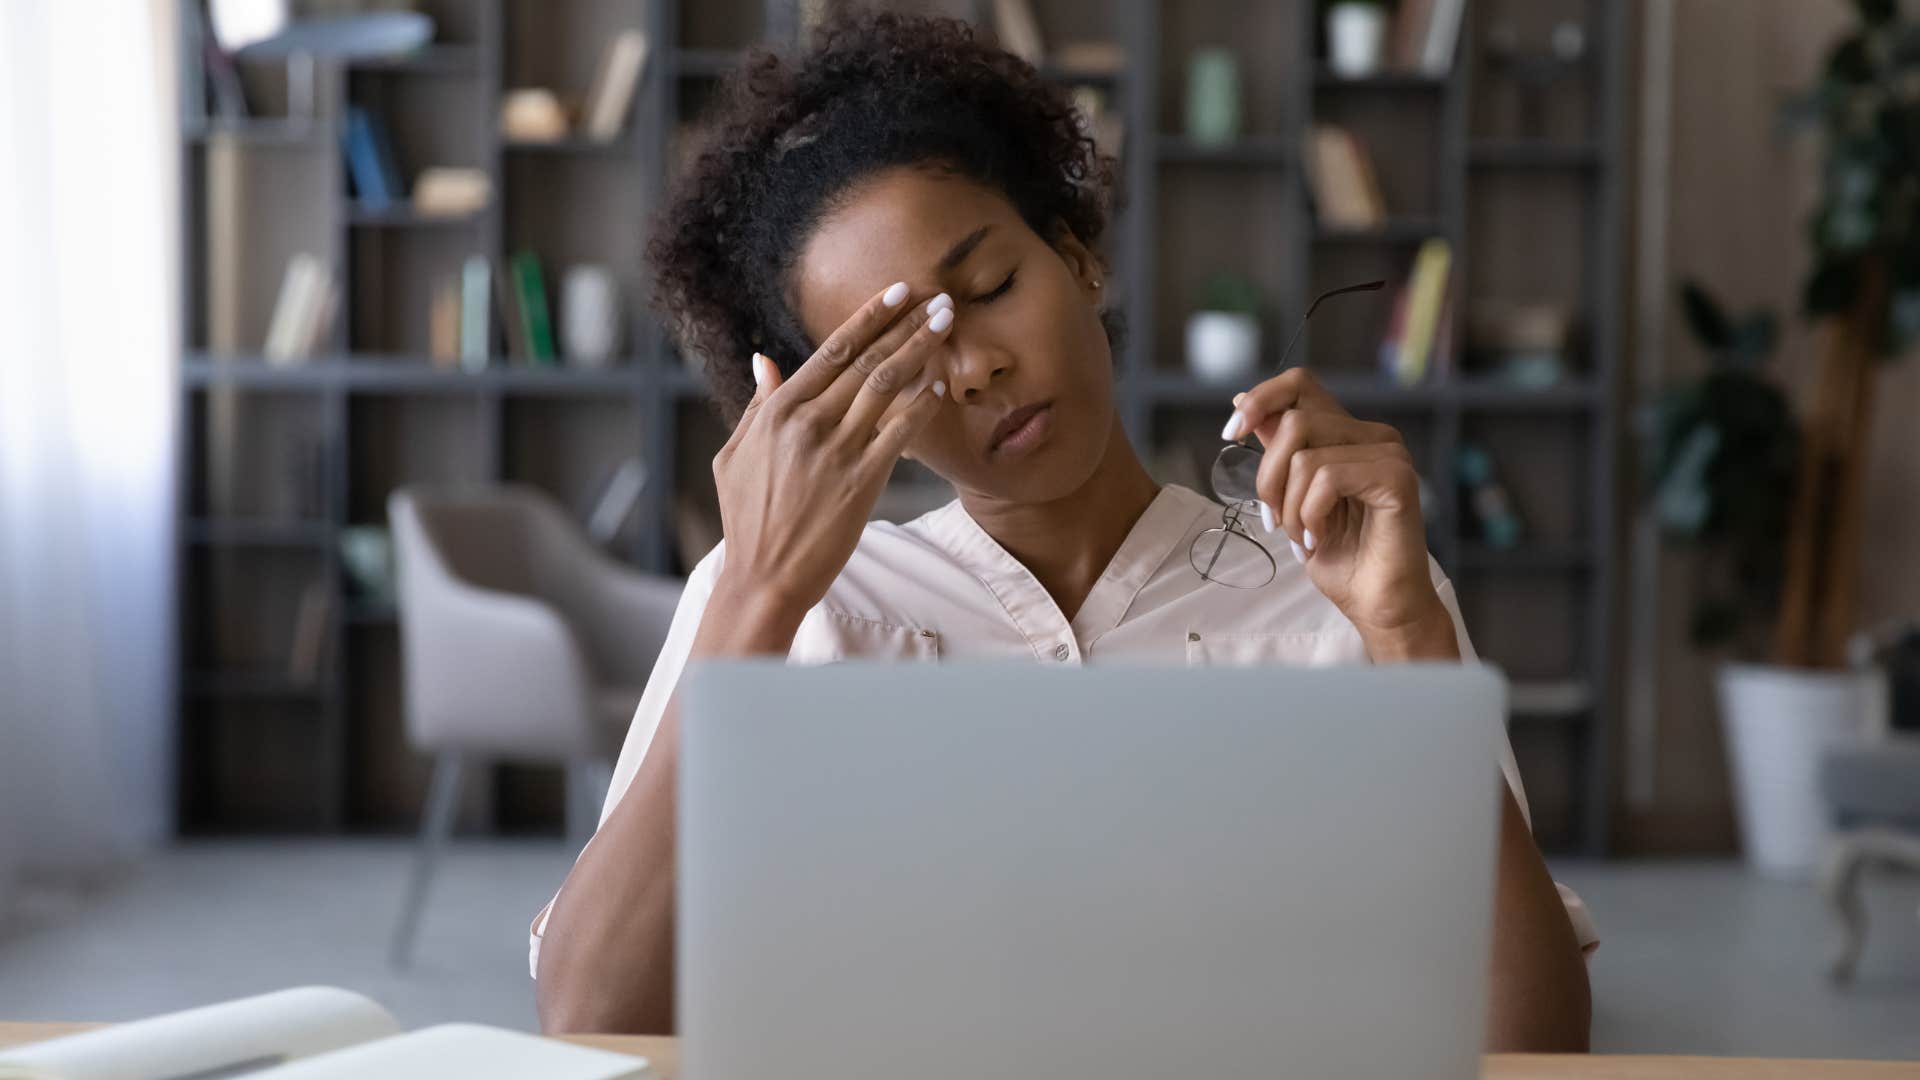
x=1737 y=204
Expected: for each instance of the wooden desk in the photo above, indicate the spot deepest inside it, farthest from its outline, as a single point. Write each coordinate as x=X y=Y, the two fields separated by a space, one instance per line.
x=665 y=1053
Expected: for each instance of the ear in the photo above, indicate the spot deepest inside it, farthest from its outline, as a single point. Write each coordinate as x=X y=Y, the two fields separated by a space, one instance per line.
x=1081 y=261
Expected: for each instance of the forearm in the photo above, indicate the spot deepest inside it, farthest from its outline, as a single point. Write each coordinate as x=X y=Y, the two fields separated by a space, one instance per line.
x=606 y=960
x=1429 y=636
x=1539 y=999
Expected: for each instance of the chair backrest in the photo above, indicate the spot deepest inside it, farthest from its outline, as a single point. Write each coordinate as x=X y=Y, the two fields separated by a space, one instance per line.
x=489 y=663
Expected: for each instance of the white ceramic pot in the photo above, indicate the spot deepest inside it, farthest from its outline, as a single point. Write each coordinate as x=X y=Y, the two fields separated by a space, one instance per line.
x=1223 y=346
x=1356 y=38
x=589 y=316
x=1778 y=722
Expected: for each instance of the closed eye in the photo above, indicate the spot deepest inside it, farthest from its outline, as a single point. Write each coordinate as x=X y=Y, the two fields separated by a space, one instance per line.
x=997 y=293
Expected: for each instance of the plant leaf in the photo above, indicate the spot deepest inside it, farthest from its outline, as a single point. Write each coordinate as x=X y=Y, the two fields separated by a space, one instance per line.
x=1849 y=62
x=1754 y=338
x=1831 y=287
x=1705 y=317
x=1875 y=12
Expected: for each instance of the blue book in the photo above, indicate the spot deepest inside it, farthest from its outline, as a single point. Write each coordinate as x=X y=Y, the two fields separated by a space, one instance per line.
x=363 y=162
x=383 y=154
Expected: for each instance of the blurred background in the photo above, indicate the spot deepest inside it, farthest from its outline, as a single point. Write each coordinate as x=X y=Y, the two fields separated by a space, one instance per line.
x=345 y=474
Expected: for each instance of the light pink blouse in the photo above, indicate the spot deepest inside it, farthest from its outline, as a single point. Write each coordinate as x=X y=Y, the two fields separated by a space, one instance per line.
x=939 y=588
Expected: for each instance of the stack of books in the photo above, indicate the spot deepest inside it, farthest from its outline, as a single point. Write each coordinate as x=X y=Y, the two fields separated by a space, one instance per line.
x=490 y=311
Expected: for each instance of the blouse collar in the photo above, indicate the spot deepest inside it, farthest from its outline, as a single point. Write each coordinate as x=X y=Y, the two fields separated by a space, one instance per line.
x=1154 y=538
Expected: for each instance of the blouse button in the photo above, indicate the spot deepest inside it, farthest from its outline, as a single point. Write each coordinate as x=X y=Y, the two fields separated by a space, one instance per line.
x=1191 y=636
x=1061 y=652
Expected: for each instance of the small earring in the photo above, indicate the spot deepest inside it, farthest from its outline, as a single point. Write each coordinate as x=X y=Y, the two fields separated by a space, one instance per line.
x=1096 y=284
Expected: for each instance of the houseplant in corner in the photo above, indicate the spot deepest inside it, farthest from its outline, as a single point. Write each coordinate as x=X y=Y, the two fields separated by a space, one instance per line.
x=1864 y=286
x=1864 y=291
x=1724 y=460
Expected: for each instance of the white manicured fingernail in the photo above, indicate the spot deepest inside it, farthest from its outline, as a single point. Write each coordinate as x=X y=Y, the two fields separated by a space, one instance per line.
x=1266 y=516
x=938 y=302
x=1306 y=536
x=761 y=369
x=1298 y=552
x=1231 y=433
x=1238 y=398
x=941 y=320
x=895 y=293
x=939 y=388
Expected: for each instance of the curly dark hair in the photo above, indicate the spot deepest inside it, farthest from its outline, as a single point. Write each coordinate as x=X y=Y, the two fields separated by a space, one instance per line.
x=788 y=136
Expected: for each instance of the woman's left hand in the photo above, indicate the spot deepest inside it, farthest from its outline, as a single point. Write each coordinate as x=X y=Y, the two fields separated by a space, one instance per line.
x=1346 y=493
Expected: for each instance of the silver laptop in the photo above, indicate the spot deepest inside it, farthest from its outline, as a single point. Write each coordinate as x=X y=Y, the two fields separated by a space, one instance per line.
x=948 y=873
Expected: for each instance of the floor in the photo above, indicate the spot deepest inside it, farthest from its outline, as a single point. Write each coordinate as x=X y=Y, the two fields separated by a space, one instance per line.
x=1696 y=957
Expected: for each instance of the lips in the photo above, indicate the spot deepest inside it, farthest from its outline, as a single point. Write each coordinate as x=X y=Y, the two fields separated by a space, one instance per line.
x=1018 y=427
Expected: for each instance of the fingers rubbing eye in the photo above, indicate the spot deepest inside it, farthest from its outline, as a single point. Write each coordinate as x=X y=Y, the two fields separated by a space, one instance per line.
x=938 y=302
x=942 y=319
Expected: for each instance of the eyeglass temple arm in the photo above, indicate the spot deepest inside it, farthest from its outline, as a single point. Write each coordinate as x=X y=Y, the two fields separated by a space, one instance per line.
x=1365 y=286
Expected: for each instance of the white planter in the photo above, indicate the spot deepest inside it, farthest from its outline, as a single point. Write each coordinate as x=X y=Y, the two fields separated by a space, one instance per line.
x=1223 y=346
x=1778 y=722
x=1356 y=38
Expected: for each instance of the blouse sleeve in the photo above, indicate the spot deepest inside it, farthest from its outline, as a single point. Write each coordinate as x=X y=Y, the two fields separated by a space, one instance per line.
x=1583 y=927
x=653 y=707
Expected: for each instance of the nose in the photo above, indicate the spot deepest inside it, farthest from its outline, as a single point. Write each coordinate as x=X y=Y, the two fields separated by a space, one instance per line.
x=974 y=366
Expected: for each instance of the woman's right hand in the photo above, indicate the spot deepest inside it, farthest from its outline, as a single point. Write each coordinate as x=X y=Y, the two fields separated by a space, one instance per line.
x=800 y=475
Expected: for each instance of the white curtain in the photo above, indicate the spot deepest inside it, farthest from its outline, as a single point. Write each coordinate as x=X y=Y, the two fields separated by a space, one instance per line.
x=88 y=197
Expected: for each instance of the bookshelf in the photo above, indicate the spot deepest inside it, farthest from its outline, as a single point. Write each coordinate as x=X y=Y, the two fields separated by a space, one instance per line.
x=1528 y=218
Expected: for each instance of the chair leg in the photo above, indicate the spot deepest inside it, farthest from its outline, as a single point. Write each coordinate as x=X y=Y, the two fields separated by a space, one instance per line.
x=436 y=824
x=1840 y=885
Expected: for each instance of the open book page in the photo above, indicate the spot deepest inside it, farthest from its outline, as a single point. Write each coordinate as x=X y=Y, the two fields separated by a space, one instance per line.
x=230 y=1039
x=468 y=1051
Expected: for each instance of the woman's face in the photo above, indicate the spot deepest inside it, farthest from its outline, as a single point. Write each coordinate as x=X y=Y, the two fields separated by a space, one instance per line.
x=1026 y=349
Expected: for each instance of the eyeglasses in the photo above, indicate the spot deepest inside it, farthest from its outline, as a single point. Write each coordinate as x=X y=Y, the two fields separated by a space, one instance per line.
x=1228 y=554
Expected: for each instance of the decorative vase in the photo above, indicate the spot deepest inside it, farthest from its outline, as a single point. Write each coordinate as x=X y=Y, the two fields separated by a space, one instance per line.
x=1778 y=721
x=1213 y=97
x=589 y=315
x=1356 y=35
x=1223 y=346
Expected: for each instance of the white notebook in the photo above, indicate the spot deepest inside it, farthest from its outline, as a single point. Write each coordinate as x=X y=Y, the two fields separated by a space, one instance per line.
x=310 y=1033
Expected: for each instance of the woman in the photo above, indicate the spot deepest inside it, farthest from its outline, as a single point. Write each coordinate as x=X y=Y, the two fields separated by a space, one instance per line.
x=890 y=248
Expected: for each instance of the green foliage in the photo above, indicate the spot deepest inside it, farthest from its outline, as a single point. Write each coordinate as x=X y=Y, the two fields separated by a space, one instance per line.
x=1230 y=292
x=1866 y=107
x=1723 y=456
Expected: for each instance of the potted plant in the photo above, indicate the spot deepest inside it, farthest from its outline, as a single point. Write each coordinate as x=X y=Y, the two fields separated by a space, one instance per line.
x=1794 y=575
x=1223 y=336
x=1356 y=37
x=1865 y=285
x=1724 y=466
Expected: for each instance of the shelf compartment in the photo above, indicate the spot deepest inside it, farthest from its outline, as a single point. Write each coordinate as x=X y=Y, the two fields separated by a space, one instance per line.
x=1526 y=558
x=1326 y=79
x=1248 y=151
x=1532 y=154
x=241 y=532
x=259 y=764
x=426 y=60
x=258 y=684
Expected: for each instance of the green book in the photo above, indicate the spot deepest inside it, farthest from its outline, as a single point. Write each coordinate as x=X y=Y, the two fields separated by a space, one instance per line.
x=531 y=284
